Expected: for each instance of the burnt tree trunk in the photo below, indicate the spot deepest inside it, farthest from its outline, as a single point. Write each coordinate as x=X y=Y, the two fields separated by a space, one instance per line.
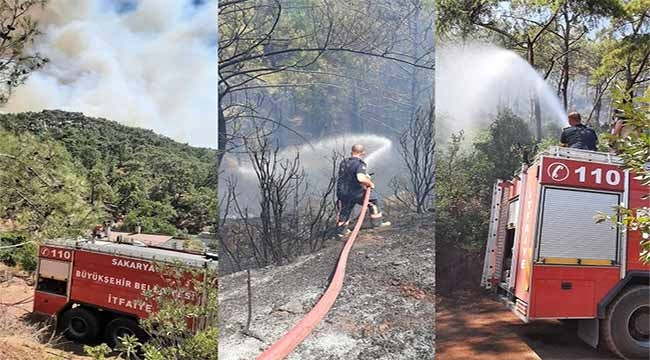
x=221 y=135
x=565 y=63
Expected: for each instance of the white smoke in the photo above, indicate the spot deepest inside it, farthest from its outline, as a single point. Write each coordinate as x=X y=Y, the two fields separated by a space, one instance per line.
x=145 y=63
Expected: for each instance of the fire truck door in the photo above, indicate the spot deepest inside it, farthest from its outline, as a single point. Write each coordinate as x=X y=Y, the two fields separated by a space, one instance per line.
x=52 y=285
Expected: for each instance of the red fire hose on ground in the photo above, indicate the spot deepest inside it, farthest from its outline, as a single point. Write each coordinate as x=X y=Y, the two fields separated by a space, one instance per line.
x=283 y=347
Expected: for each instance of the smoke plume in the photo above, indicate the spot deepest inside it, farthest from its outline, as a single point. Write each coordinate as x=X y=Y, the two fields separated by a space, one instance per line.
x=145 y=63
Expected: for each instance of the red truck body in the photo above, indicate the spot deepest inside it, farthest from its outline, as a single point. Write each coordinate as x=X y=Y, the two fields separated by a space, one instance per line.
x=107 y=277
x=547 y=255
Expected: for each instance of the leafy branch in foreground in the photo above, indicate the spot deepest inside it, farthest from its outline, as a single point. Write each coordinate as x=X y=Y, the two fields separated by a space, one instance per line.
x=634 y=149
x=184 y=326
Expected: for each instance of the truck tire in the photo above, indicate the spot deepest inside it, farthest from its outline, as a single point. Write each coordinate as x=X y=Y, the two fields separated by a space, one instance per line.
x=626 y=326
x=120 y=327
x=80 y=324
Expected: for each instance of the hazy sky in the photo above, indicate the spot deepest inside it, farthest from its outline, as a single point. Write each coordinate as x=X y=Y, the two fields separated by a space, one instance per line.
x=146 y=63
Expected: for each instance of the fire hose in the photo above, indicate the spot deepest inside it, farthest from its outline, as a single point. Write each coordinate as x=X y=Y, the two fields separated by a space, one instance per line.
x=283 y=347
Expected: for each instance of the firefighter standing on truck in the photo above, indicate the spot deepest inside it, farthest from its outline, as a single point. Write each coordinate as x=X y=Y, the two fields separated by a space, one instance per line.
x=578 y=136
x=352 y=181
x=620 y=129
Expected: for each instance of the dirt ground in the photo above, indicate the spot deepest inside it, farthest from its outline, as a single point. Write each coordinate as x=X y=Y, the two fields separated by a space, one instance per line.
x=385 y=310
x=475 y=325
x=21 y=336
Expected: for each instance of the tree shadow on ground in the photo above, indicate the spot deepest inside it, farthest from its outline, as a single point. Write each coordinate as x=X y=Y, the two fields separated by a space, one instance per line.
x=476 y=325
x=55 y=338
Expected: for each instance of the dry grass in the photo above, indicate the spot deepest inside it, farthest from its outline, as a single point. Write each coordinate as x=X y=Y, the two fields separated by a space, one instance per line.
x=11 y=325
x=20 y=338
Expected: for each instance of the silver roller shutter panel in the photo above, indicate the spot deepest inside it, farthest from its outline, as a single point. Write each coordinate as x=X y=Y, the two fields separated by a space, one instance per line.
x=513 y=214
x=568 y=229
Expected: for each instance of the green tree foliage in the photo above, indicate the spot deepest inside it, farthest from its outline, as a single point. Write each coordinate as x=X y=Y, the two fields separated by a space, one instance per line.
x=127 y=173
x=465 y=177
x=581 y=48
x=635 y=151
x=156 y=217
x=169 y=328
x=626 y=44
x=42 y=194
x=587 y=51
x=12 y=254
x=461 y=216
x=507 y=133
x=18 y=30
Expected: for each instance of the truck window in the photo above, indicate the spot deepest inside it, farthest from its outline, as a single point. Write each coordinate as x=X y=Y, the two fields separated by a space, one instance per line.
x=568 y=229
x=513 y=214
x=53 y=276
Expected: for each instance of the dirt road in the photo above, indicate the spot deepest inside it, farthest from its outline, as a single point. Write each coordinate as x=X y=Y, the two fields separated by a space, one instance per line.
x=475 y=325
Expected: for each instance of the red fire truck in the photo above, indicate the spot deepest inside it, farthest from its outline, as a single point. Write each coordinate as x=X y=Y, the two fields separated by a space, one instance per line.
x=549 y=259
x=96 y=288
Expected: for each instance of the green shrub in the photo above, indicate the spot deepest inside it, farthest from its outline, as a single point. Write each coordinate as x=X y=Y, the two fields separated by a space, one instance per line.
x=170 y=336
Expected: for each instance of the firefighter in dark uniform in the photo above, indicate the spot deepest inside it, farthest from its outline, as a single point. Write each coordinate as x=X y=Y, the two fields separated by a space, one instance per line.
x=578 y=136
x=352 y=181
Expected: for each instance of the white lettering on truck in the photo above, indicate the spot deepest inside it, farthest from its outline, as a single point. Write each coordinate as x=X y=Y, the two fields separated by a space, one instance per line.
x=100 y=278
x=135 y=304
x=136 y=265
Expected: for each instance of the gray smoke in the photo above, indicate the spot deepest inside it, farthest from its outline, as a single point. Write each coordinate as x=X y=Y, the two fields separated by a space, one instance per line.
x=146 y=63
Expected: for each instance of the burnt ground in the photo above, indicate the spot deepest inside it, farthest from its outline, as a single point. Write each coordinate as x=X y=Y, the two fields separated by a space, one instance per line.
x=472 y=323
x=385 y=310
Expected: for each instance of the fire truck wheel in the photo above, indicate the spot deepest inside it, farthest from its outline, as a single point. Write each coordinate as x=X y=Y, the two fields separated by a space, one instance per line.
x=120 y=327
x=80 y=324
x=626 y=327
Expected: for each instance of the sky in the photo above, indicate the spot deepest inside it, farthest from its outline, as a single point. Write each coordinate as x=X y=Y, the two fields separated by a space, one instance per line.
x=145 y=63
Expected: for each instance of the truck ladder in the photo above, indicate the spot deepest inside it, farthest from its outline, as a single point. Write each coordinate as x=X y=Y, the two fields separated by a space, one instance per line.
x=489 y=262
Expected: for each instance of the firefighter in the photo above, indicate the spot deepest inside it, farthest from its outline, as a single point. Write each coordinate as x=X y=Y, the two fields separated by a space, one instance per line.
x=620 y=129
x=578 y=136
x=98 y=231
x=352 y=181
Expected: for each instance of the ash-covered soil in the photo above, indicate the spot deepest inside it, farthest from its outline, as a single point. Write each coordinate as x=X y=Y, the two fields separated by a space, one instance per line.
x=385 y=310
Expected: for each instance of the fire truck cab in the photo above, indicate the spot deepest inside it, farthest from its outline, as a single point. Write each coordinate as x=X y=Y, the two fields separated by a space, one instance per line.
x=96 y=289
x=549 y=259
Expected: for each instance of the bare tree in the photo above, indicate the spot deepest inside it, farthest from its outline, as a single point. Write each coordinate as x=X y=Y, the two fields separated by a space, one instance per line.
x=418 y=148
x=292 y=219
x=314 y=216
x=256 y=41
x=231 y=245
x=278 y=179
